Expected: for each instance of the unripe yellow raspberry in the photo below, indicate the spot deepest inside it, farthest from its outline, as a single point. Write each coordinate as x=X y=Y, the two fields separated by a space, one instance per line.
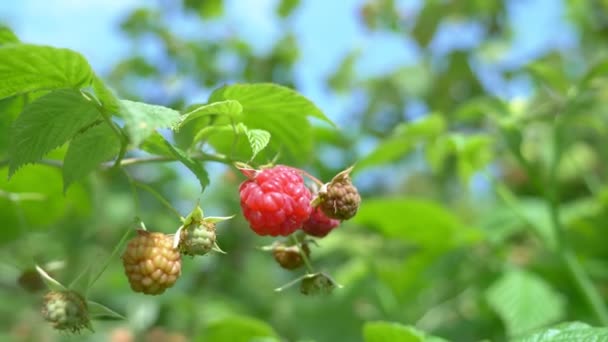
x=151 y=263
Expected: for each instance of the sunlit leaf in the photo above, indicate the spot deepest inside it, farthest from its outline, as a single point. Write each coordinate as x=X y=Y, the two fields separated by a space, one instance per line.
x=106 y=96
x=258 y=139
x=279 y=110
x=143 y=119
x=25 y=68
x=47 y=123
x=10 y=108
x=229 y=108
x=7 y=36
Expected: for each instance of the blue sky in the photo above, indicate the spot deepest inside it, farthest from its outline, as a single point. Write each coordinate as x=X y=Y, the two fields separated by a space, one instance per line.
x=327 y=31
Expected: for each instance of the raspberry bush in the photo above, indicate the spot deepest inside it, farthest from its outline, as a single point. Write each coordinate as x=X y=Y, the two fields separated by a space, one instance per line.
x=103 y=131
x=372 y=170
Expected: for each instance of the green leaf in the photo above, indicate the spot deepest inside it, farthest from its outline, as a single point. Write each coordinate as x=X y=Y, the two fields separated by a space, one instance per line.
x=473 y=155
x=403 y=140
x=394 y=332
x=344 y=78
x=229 y=108
x=35 y=193
x=279 y=110
x=596 y=72
x=10 y=108
x=427 y=22
x=228 y=139
x=87 y=151
x=207 y=9
x=286 y=7
x=194 y=165
x=47 y=123
x=565 y=332
x=101 y=312
x=549 y=72
x=537 y=215
x=7 y=36
x=415 y=220
x=387 y=151
x=237 y=140
x=269 y=97
x=525 y=301
x=438 y=151
x=237 y=329
x=478 y=108
x=258 y=139
x=105 y=95
x=155 y=144
x=142 y=119
x=25 y=68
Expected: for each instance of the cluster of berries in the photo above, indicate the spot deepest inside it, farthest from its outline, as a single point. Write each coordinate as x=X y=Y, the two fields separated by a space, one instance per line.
x=152 y=261
x=276 y=202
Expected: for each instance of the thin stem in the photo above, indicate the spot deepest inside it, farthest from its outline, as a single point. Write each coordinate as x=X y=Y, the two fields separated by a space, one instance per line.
x=290 y=284
x=551 y=189
x=22 y=196
x=576 y=270
x=156 y=159
x=511 y=201
x=219 y=158
x=133 y=191
x=303 y=254
x=159 y=197
x=585 y=286
x=124 y=140
x=144 y=160
x=109 y=259
x=235 y=141
x=311 y=177
x=590 y=179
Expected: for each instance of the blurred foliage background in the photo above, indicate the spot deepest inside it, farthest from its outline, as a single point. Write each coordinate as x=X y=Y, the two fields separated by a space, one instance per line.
x=482 y=172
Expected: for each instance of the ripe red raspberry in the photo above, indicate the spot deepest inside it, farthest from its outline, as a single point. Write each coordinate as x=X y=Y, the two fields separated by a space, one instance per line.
x=275 y=201
x=151 y=263
x=66 y=310
x=319 y=224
